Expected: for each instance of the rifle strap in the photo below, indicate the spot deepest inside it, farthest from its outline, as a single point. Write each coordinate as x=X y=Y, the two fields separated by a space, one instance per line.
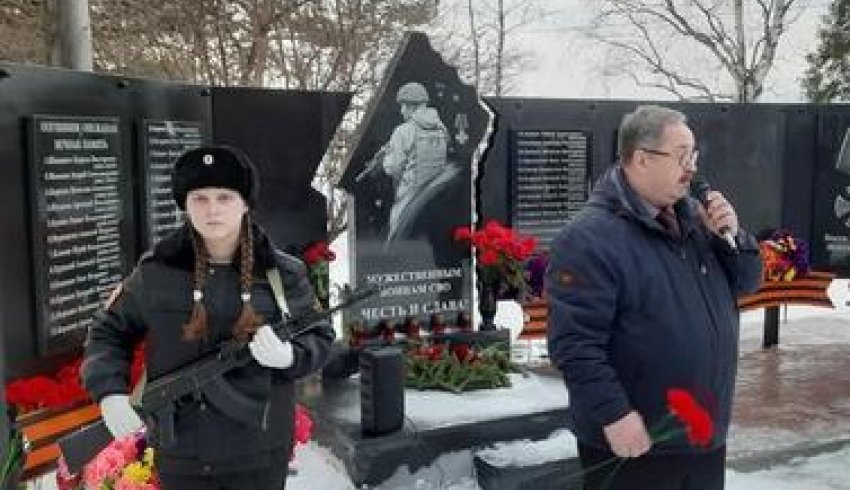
x=277 y=288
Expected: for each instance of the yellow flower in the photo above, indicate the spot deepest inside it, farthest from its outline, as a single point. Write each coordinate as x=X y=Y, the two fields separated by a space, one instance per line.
x=137 y=472
x=147 y=458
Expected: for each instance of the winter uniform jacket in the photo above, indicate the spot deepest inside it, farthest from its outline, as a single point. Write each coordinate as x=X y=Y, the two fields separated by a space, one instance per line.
x=634 y=311
x=155 y=301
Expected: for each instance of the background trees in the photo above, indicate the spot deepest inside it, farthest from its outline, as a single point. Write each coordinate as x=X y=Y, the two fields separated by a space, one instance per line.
x=480 y=37
x=712 y=50
x=828 y=75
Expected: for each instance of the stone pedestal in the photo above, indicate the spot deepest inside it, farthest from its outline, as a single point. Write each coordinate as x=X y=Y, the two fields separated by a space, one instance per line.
x=436 y=423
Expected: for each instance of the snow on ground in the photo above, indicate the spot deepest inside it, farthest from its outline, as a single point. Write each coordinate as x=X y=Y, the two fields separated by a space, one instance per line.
x=823 y=472
x=318 y=469
x=430 y=409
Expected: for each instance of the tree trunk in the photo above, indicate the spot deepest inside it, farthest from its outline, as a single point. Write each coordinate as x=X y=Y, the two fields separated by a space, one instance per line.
x=476 y=66
x=741 y=76
x=500 y=49
x=74 y=29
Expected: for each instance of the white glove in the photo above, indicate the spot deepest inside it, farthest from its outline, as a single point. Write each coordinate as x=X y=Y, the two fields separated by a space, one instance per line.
x=269 y=350
x=119 y=416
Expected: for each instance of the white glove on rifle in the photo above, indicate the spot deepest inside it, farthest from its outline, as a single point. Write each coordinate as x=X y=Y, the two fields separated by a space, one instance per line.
x=119 y=416
x=269 y=350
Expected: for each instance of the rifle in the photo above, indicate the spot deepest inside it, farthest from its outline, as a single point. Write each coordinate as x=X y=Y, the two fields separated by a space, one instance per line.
x=372 y=165
x=202 y=379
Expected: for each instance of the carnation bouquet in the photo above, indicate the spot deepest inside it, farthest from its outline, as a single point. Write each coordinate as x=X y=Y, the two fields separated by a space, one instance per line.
x=125 y=464
x=501 y=253
x=128 y=463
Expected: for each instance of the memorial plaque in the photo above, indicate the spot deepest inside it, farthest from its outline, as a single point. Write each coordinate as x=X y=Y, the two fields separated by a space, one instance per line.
x=831 y=218
x=550 y=180
x=75 y=176
x=163 y=142
x=409 y=173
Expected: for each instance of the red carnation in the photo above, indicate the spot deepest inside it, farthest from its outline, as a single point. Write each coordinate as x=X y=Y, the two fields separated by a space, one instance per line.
x=696 y=419
x=488 y=257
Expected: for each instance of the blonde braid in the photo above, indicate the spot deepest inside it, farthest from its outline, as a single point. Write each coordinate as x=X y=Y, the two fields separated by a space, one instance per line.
x=248 y=320
x=196 y=327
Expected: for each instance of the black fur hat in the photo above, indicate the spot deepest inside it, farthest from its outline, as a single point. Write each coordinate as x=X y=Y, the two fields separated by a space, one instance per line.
x=214 y=166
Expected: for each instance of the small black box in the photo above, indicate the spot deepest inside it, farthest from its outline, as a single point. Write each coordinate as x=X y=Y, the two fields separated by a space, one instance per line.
x=382 y=375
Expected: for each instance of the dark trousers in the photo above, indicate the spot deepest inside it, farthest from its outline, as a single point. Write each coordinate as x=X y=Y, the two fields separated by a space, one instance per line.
x=273 y=478
x=673 y=472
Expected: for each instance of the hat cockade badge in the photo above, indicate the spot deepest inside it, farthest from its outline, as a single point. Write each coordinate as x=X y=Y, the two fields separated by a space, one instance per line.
x=208 y=159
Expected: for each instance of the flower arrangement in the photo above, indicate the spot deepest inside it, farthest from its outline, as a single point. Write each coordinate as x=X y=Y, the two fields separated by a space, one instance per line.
x=501 y=254
x=62 y=389
x=317 y=256
x=128 y=463
x=125 y=464
x=784 y=256
x=458 y=367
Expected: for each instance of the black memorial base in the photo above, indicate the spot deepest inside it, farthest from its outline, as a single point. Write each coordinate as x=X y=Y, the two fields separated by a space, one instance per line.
x=436 y=423
x=551 y=475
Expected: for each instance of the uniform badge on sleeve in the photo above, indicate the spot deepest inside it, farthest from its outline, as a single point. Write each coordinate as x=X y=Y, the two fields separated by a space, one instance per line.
x=564 y=278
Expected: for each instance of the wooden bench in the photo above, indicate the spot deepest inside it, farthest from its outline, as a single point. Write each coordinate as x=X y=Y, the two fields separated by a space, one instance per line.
x=43 y=428
x=808 y=290
x=536 y=319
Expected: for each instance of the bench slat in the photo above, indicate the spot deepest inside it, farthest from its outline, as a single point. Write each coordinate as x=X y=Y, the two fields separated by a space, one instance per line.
x=42 y=430
x=808 y=290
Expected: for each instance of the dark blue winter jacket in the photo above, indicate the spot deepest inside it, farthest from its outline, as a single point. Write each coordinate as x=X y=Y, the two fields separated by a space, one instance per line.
x=634 y=311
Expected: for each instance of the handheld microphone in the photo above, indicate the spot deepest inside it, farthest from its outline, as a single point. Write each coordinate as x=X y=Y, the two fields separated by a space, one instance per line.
x=700 y=189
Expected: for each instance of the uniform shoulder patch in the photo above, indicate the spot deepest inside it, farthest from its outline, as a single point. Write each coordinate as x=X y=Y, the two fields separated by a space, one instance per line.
x=564 y=278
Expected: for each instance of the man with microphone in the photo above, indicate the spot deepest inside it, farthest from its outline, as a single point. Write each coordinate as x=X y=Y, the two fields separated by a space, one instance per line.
x=642 y=290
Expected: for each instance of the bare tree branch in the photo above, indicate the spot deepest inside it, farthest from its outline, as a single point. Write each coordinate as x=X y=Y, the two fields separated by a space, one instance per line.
x=742 y=38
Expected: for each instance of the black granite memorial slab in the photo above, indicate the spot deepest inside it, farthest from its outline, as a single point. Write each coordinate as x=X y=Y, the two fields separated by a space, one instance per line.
x=742 y=153
x=286 y=134
x=830 y=241
x=162 y=141
x=409 y=172
x=550 y=179
x=436 y=423
x=78 y=228
x=75 y=178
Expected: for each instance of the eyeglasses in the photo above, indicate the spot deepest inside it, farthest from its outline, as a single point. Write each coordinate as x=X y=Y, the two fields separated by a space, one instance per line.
x=688 y=161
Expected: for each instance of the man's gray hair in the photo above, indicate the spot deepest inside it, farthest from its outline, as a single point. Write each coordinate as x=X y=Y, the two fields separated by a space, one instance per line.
x=644 y=128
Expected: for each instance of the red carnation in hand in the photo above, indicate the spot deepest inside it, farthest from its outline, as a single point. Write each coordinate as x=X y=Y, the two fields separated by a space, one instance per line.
x=696 y=419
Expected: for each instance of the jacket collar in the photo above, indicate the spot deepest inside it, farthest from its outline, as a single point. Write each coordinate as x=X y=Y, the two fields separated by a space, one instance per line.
x=176 y=249
x=613 y=192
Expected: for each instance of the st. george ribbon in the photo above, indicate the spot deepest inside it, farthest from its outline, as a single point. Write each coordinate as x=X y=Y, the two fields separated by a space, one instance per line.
x=700 y=189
